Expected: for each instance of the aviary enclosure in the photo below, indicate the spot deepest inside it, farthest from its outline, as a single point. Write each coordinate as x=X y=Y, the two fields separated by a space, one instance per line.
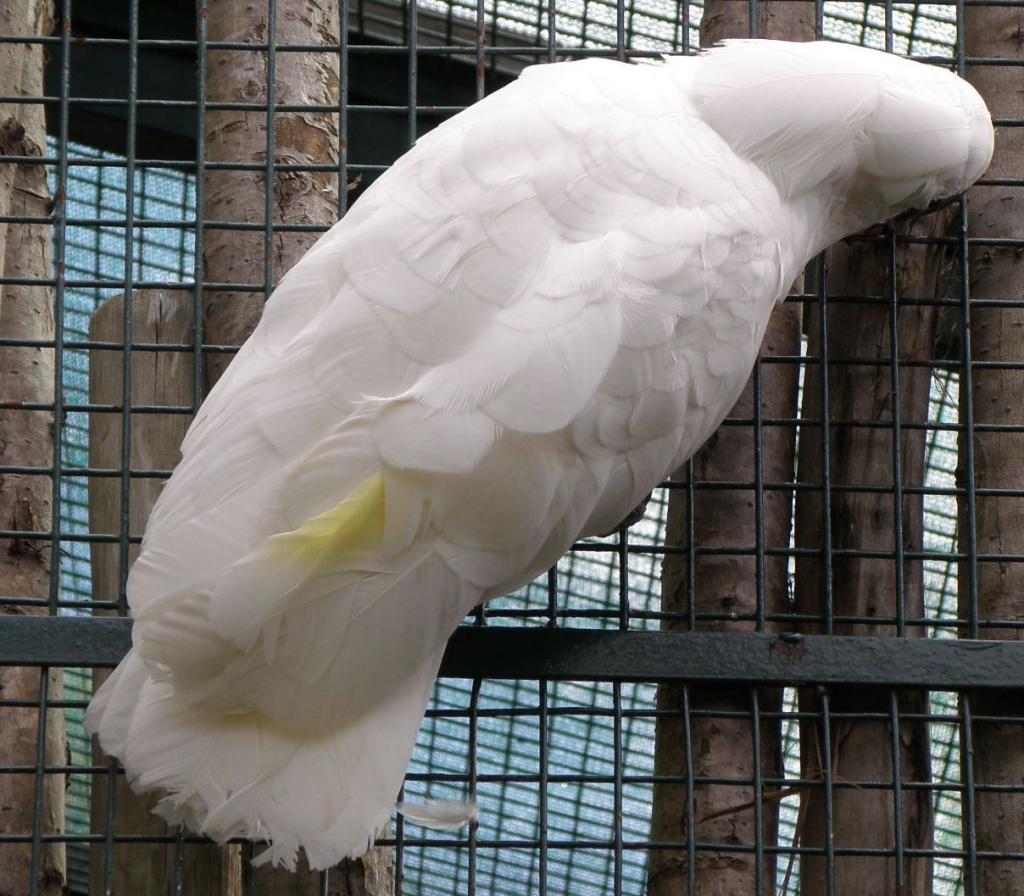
x=799 y=672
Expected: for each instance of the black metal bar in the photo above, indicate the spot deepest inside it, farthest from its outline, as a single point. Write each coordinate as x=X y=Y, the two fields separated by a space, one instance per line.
x=589 y=655
x=759 y=838
x=268 y=186
x=617 y=838
x=897 y=399
x=542 y=787
x=39 y=782
x=198 y=261
x=969 y=819
x=895 y=748
x=60 y=207
x=826 y=551
x=472 y=774
x=691 y=834
x=827 y=789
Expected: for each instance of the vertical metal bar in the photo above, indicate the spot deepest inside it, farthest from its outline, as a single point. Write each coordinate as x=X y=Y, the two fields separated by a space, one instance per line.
x=552 y=588
x=552 y=30
x=59 y=268
x=343 y=109
x=759 y=583
x=198 y=274
x=494 y=34
x=413 y=70
x=691 y=834
x=40 y=783
x=683 y=24
x=128 y=307
x=138 y=245
x=897 y=436
x=691 y=549
x=617 y=796
x=474 y=707
x=620 y=33
x=108 y=831
x=755 y=722
x=969 y=807
x=967 y=379
x=751 y=18
x=179 y=862
x=268 y=194
x=400 y=848
x=623 y=558
x=897 y=788
x=826 y=780
x=481 y=57
x=819 y=19
x=897 y=400
x=542 y=721
x=826 y=457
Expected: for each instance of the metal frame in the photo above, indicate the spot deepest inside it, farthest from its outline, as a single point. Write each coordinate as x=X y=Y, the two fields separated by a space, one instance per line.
x=481 y=652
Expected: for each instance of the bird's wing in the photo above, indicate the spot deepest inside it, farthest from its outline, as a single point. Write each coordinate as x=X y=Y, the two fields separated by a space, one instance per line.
x=421 y=370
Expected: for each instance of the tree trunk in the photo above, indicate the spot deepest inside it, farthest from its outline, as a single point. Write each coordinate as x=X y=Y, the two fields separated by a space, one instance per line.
x=868 y=587
x=299 y=197
x=300 y=138
x=723 y=747
x=997 y=334
x=26 y=439
x=157 y=378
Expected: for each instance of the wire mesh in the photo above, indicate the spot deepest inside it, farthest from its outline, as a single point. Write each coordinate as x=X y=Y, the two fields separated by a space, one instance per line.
x=564 y=770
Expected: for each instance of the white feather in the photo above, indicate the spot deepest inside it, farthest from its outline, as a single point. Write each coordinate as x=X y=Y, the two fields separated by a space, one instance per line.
x=440 y=815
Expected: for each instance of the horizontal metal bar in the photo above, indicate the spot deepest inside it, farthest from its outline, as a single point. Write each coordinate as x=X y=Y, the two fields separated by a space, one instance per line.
x=587 y=655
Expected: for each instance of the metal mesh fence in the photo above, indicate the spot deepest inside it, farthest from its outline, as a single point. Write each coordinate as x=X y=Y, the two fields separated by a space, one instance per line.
x=563 y=765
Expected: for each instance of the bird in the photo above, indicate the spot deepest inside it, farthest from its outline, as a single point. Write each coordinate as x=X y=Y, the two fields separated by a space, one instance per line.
x=522 y=327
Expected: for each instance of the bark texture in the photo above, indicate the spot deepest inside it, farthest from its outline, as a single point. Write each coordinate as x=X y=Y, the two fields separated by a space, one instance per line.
x=157 y=378
x=997 y=334
x=300 y=138
x=723 y=747
x=298 y=197
x=866 y=521
x=26 y=439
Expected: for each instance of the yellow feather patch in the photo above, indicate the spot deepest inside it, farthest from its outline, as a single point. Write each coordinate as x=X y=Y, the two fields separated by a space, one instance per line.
x=354 y=525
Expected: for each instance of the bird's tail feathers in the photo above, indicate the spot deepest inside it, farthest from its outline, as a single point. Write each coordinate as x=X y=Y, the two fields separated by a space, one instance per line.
x=239 y=775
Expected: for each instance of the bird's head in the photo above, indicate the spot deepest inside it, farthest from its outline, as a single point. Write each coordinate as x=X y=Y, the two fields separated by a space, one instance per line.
x=930 y=136
x=864 y=134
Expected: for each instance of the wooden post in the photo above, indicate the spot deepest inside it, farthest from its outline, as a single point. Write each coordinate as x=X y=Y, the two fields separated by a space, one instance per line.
x=997 y=334
x=723 y=747
x=157 y=378
x=868 y=587
x=26 y=440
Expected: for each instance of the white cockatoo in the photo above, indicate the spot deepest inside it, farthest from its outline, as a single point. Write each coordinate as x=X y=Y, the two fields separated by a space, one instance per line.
x=519 y=330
